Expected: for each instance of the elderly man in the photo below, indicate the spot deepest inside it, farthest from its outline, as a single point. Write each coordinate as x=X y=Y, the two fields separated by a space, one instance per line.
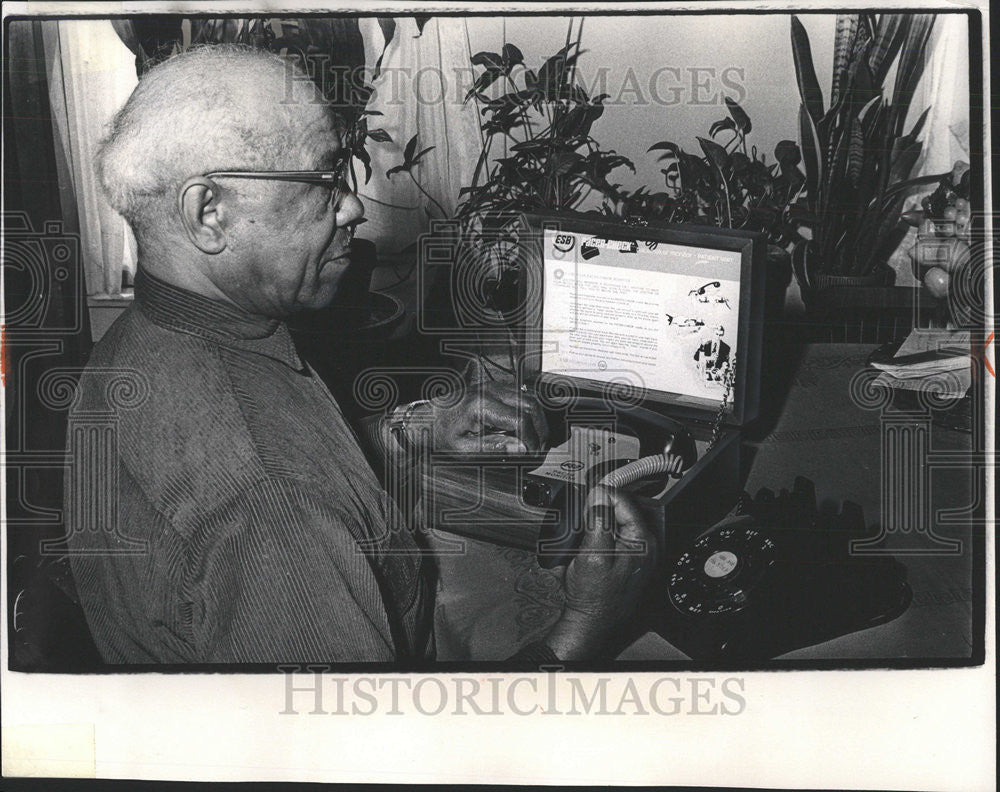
x=247 y=523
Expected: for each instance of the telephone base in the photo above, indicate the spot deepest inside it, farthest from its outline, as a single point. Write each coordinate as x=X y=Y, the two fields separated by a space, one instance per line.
x=774 y=577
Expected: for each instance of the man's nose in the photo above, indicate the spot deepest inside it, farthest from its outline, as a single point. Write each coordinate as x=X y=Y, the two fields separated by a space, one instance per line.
x=351 y=210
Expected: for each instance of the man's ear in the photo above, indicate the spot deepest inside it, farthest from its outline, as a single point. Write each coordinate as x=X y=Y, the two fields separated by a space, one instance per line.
x=198 y=202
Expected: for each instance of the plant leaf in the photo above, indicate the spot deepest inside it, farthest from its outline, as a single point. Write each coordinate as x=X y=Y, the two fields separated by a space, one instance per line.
x=483 y=81
x=870 y=111
x=856 y=153
x=553 y=72
x=721 y=125
x=716 y=154
x=904 y=157
x=909 y=184
x=569 y=124
x=512 y=56
x=810 y=156
x=863 y=88
x=531 y=145
x=417 y=158
x=910 y=67
x=805 y=72
x=388 y=26
x=379 y=136
x=561 y=162
x=739 y=116
x=366 y=160
x=664 y=145
x=411 y=146
x=889 y=36
x=843 y=48
x=788 y=155
x=739 y=161
x=491 y=61
x=918 y=125
x=867 y=25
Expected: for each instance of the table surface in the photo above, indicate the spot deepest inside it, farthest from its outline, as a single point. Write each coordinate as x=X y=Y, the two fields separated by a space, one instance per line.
x=490 y=599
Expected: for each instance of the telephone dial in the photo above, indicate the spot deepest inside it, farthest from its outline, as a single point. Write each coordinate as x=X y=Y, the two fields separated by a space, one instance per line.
x=775 y=575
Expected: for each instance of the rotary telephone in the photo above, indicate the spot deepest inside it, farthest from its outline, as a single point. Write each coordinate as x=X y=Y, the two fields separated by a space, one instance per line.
x=774 y=575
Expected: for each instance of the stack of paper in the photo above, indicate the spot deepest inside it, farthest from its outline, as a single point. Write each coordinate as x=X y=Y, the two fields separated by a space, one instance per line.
x=934 y=360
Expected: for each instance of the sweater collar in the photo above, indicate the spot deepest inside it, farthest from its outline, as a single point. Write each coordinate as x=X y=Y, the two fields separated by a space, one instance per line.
x=185 y=311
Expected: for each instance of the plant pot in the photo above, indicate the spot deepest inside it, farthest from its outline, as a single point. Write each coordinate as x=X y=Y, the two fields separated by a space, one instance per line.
x=777 y=277
x=881 y=278
x=811 y=277
x=355 y=284
x=356 y=313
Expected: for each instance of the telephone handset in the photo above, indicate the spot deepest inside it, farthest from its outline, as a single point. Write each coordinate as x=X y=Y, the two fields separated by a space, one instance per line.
x=634 y=448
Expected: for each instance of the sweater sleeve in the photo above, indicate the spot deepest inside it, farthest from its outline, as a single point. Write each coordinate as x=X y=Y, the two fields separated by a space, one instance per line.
x=279 y=577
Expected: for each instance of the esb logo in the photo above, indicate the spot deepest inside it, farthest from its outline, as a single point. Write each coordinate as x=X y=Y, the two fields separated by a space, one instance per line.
x=564 y=242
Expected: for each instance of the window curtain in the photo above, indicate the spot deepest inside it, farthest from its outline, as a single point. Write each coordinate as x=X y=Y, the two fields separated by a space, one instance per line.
x=944 y=88
x=91 y=74
x=46 y=330
x=423 y=79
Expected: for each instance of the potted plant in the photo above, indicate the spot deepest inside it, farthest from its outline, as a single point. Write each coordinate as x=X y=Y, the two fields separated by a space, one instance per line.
x=729 y=185
x=552 y=162
x=856 y=153
x=537 y=155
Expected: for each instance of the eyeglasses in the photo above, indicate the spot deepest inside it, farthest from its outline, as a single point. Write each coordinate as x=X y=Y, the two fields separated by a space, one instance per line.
x=332 y=179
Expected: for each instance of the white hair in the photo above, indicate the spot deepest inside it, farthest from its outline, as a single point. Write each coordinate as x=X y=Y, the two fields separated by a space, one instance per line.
x=219 y=107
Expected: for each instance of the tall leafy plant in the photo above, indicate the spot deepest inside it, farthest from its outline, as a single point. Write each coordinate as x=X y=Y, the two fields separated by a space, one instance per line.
x=856 y=153
x=537 y=155
x=540 y=125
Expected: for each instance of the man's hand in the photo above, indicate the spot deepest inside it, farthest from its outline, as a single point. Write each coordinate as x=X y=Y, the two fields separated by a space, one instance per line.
x=605 y=579
x=490 y=418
